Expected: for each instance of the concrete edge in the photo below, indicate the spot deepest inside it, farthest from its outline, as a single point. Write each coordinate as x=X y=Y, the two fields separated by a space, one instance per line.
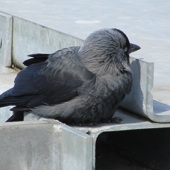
x=45 y=144
x=5 y=39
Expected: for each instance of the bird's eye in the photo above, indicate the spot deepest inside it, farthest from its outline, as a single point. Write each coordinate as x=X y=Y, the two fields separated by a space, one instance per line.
x=125 y=49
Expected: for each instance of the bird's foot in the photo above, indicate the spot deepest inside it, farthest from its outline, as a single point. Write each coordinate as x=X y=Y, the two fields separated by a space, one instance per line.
x=87 y=124
x=115 y=120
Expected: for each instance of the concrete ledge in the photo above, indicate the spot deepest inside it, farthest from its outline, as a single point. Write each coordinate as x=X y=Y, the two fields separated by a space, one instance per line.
x=130 y=123
x=26 y=146
x=50 y=144
x=44 y=145
x=30 y=38
x=5 y=39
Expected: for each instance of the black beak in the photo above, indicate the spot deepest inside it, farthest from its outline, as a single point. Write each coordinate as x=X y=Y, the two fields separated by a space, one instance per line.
x=133 y=48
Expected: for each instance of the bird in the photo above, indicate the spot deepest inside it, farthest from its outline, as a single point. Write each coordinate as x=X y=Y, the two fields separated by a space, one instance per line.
x=75 y=85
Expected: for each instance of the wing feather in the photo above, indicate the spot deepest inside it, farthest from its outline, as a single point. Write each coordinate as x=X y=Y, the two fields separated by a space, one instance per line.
x=52 y=81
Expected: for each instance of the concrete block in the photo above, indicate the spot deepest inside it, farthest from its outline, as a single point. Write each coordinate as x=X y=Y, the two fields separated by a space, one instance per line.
x=130 y=122
x=50 y=144
x=44 y=145
x=76 y=149
x=29 y=38
x=26 y=146
x=5 y=39
x=73 y=142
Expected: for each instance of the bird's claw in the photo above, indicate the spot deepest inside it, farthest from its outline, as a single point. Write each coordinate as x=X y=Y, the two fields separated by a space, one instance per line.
x=116 y=120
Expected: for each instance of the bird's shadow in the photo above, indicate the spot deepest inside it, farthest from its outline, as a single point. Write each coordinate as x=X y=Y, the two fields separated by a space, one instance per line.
x=160 y=107
x=134 y=100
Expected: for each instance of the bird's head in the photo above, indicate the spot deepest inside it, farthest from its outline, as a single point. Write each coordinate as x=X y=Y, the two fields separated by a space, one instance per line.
x=107 y=50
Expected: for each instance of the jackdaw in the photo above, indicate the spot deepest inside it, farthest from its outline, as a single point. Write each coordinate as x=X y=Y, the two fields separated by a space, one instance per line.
x=76 y=85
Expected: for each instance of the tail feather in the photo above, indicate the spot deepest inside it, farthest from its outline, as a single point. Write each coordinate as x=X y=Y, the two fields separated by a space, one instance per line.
x=12 y=101
x=36 y=58
x=7 y=100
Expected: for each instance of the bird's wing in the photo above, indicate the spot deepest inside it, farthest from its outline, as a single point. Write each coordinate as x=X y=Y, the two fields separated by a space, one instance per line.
x=51 y=82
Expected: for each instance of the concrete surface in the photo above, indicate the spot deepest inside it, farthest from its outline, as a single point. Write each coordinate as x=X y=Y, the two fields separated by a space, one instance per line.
x=30 y=38
x=111 y=159
x=5 y=39
x=26 y=146
x=44 y=145
x=146 y=23
x=49 y=144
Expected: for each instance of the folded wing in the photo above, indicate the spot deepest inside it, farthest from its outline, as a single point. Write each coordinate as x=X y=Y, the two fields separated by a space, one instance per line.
x=54 y=79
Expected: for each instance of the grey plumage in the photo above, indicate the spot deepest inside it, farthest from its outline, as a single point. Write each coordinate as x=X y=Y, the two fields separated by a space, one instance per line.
x=76 y=84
